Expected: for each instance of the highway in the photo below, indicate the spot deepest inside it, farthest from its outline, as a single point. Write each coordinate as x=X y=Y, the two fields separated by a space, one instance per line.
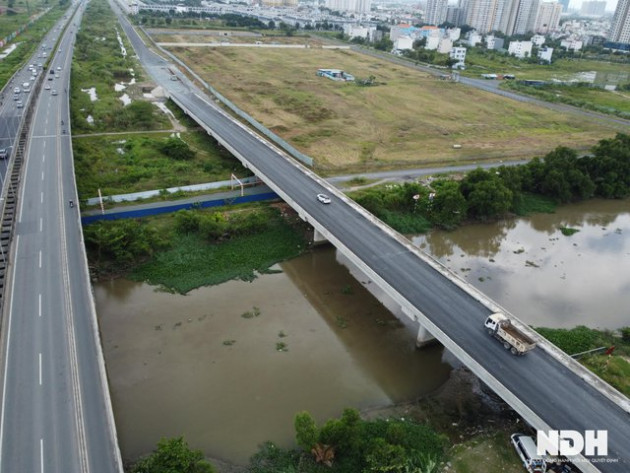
x=56 y=413
x=536 y=382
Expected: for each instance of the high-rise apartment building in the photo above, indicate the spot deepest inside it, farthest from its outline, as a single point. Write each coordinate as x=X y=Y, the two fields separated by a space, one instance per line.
x=357 y=6
x=620 y=29
x=593 y=8
x=548 y=17
x=435 y=14
x=481 y=14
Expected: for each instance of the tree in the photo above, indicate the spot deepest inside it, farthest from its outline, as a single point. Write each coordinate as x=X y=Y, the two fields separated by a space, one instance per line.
x=177 y=149
x=306 y=432
x=448 y=207
x=486 y=195
x=173 y=456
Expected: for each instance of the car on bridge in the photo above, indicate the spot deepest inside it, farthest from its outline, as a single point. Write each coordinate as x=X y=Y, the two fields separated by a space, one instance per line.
x=323 y=198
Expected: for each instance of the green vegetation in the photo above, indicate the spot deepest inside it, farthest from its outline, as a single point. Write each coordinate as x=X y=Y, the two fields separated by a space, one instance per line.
x=131 y=163
x=173 y=455
x=582 y=95
x=28 y=41
x=193 y=248
x=614 y=369
x=350 y=444
x=481 y=195
x=99 y=63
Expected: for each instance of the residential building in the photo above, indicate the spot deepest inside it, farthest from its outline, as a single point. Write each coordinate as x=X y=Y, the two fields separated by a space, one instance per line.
x=403 y=42
x=458 y=54
x=492 y=42
x=433 y=42
x=571 y=44
x=481 y=14
x=403 y=29
x=520 y=49
x=593 y=8
x=454 y=33
x=473 y=38
x=455 y=15
x=356 y=6
x=538 y=40
x=435 y=13
x=445 y=46
x=620 y=29
x=548 y=18
x=544 y=54
x=360 y=31
x=565 y=5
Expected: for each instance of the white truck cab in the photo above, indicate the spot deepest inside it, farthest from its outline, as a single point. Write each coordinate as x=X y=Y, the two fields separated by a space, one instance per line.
x=526 y=449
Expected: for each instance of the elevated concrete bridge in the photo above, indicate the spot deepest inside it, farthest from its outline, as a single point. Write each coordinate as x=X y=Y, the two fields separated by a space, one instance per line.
x=546 y=387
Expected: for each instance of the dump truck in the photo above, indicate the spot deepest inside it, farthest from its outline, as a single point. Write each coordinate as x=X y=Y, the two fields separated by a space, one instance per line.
x=501 y=328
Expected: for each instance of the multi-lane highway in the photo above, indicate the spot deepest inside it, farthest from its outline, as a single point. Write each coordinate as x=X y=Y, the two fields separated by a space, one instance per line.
x=55 y=413
x=537 y=383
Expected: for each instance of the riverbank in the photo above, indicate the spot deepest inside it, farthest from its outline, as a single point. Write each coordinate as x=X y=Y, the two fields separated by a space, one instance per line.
x=189 y=249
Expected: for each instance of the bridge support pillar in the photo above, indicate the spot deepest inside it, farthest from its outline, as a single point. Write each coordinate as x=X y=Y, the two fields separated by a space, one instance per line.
x=424 y=337
x=318 y=238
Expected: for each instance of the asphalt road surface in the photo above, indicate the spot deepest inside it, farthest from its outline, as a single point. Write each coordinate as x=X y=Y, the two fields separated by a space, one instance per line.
x=554 y=393
x=56 y=412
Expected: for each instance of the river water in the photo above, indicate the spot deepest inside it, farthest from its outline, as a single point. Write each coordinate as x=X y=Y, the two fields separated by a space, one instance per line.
x=207 y=365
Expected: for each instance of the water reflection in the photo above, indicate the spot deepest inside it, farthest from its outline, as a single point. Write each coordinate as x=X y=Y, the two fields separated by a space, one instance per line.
x=542 y=276
x=193 y=365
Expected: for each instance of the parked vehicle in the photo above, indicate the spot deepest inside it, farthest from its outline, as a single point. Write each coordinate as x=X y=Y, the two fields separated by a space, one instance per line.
x=526 y=449
x=4 y=153
x=501 y=328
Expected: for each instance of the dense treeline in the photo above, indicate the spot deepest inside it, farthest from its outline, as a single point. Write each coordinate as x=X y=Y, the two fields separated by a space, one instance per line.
x=560 y=176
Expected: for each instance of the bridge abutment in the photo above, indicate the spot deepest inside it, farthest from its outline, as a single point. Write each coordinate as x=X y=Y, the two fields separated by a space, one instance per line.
x=318 y=238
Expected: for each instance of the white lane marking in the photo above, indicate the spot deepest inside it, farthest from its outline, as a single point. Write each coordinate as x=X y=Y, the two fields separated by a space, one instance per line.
x=40 y=259
x=6 y=357
x=39 y=310
x=41 y=224
x=40 y=369
x=41 y=197
x=41 y=455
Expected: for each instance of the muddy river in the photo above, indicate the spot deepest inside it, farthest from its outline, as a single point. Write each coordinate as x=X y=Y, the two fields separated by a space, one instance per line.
x=229 y=366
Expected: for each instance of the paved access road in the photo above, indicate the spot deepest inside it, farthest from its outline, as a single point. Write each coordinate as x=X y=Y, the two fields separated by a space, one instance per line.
x=56 y=412
x=541 y=383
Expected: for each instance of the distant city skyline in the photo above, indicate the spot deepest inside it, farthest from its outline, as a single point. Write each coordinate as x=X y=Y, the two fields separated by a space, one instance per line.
x=610 y=5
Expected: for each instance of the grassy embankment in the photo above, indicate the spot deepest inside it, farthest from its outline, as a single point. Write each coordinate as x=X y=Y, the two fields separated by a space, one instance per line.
x=129 y=163
x=28 y=41
x=614 y=369
x=190 y=249
x=408 y=119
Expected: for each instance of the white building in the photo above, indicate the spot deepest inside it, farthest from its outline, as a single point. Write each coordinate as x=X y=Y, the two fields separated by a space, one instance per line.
x=403 y=42
x=435 y=13
x=458 y=54
x=548 y=18
x=454 y=33
x=620 y=29
x=544 y=54
x=520 y=49
x=359 y=31
x=481 y=14
x=445 y=46
x=356 y=6
x=473 y=38
x=492 y=42
x=571 y=44
x=538 y=40
x=433 y=42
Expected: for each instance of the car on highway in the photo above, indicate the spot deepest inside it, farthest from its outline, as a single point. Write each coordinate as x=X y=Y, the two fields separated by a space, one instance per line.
x=16 y=96
x=54 y=92
x=56 y=76
x=323 y=198
x=58 y=68
x=4 y=153
x=19 y=104
x=17 y=90
x=47 y=87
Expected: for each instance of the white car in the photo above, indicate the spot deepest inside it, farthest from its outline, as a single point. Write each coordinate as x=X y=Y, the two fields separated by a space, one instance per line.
x=47 y=87
x=19 y=104
x=54 y=92
x=58 y=68
x=323 y=198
